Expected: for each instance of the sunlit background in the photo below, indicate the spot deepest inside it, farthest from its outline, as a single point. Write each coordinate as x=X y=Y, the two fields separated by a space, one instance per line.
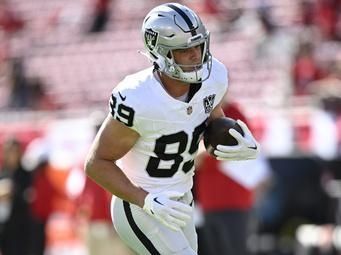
x=60 y=59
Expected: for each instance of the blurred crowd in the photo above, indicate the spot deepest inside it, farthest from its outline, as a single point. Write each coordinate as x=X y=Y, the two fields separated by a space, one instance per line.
x=284 y=59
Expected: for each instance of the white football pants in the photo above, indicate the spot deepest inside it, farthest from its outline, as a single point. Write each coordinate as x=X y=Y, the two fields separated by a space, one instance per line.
x=146 y=235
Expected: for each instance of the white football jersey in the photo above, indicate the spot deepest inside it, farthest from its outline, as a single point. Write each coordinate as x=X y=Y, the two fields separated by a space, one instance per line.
x=170 y=130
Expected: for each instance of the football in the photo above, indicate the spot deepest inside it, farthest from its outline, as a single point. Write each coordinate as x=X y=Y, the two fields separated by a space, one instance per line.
x=217 y=132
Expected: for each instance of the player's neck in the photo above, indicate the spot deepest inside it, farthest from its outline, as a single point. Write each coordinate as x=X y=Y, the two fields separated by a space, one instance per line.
x=173 y=87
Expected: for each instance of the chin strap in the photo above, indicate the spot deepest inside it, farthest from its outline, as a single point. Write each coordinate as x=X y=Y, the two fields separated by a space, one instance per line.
x=193 y=76
x=160 y=65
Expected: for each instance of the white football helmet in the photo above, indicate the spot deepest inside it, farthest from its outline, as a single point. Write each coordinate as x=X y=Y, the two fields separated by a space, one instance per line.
x=173 y=26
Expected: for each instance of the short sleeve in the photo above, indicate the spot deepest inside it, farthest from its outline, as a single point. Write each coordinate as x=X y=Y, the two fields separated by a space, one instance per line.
x=123 y=108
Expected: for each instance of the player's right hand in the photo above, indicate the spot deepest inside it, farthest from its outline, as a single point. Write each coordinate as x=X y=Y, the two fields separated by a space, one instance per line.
x=247 y=147
x=165 y=208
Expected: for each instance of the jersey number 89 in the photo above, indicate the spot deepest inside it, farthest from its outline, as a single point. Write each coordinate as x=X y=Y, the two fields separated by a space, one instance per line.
x=153 y=166
x=125 y=114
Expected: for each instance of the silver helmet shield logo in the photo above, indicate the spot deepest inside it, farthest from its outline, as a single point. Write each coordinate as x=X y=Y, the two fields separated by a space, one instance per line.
x=151 y=37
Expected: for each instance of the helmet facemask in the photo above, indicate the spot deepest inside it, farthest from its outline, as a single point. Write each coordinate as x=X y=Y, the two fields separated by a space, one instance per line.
x=199 y=72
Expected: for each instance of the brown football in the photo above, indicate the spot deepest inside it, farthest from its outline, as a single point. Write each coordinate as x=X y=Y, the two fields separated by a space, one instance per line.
x=217 y=132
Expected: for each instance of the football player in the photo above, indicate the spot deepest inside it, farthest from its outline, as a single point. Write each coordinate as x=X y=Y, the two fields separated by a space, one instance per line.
x=156 y=120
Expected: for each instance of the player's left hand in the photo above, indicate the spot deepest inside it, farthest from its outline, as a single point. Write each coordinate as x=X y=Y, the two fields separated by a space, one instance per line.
x=247 y=147
x=165 y=208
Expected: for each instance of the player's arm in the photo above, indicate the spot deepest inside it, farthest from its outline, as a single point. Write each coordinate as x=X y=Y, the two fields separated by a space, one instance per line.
x=112 y=142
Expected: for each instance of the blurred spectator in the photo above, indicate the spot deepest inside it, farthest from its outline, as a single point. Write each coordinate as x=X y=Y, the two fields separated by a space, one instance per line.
x=212 y=6
x=326 y=18
x=325 y=123
x=305 y=68
x=15 y=183
x=296 y=197
x=10 y=22
x=101 y=15
x=19 y=84
x=226 y=12
x=38 y=99
x=3 y=52
x=307 y=12
x=41 y=206
x=93 y=206
x=94 y=210
x=328 y=86
x=51 y=202
x=225 y=192
x=27 y=93
x=274 y=45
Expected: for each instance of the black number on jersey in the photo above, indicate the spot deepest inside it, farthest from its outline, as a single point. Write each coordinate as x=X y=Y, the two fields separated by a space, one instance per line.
x=180 y=141
x=122 y=113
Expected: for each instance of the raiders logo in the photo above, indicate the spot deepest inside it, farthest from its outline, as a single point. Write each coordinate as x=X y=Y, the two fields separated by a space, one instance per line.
x=150 y=38
x=208 y=103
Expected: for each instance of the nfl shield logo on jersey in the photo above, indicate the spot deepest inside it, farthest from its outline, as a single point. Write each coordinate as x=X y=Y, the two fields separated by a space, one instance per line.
x=150 y=38
x=208 y=103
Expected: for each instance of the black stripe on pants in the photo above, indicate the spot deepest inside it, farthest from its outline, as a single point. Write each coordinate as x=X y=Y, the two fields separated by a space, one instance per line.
x=140 y=235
